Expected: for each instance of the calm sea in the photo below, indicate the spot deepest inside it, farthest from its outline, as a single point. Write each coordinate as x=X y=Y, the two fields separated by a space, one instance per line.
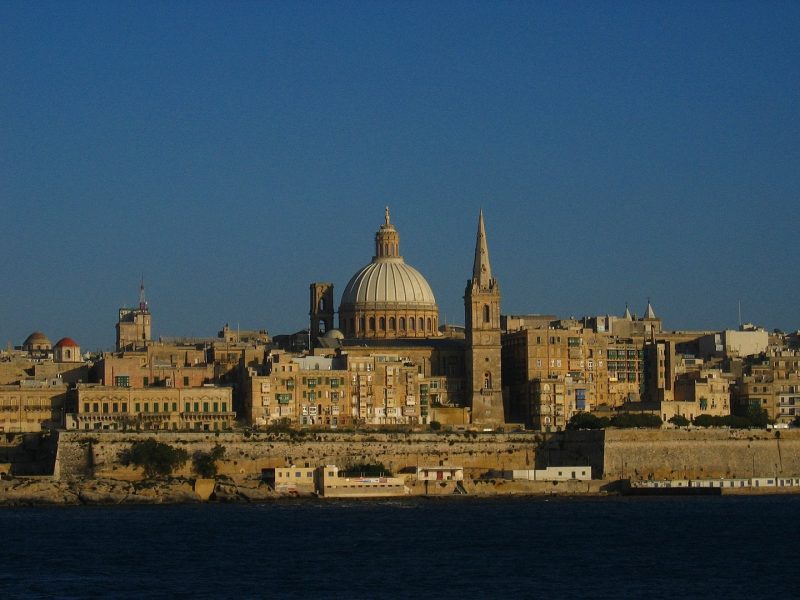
x=415 y=548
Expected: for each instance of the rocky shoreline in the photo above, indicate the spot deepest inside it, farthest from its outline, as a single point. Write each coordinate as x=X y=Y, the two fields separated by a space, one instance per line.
x=49 y=492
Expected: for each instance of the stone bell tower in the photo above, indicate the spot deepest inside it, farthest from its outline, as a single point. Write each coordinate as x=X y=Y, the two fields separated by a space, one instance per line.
x=482 y=320
x=321 y=311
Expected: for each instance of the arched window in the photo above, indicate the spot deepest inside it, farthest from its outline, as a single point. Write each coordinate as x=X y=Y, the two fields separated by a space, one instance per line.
x=413 y=322
x=67 y=353
x=361 y=326
x=372 y=323
x=352 y=326
x=383 y=323
x=421 y=324
x=322 y=326
x=487 y=381
x=391 y=323
x=429 y=323
x=322 y=305
x=485 y=313
x=402 y=323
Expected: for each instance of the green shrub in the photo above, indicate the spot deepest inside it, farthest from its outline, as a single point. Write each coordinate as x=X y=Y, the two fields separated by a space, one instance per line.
x=205 y=463
x=155 y=458
x=435 y=425
x=679 y=421
x=585 y=420
x=366 y=470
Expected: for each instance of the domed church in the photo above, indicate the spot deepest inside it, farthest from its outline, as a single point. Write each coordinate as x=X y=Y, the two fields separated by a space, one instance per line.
x=388 y=298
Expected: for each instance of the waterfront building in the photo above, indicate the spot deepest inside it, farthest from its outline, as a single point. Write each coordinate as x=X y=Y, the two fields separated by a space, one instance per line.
x=98 y=407
x=31 y=406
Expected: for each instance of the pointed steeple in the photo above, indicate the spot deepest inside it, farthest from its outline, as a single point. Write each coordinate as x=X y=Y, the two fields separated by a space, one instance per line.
x=142 y=299
x=627 y=316
x=481 y=268
x=649 y=313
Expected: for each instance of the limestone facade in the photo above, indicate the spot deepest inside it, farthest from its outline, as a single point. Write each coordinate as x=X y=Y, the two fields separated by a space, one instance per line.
x=32 y=406
x=207 y=408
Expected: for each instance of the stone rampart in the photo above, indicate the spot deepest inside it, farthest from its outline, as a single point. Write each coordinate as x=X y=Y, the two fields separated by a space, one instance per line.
x=679 y=453
x=83 y=454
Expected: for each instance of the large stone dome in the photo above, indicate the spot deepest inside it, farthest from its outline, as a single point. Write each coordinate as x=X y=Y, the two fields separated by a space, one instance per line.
x=388 y=281
x=37 y=341
x=388 y=298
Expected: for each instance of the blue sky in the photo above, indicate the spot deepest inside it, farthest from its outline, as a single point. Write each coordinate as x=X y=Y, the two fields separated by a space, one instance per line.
x=234 y=152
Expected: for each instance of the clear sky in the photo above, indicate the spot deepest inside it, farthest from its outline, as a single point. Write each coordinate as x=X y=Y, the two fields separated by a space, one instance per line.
x=234 y=152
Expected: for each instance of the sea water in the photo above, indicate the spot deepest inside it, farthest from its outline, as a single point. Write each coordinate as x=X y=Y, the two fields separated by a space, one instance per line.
x=408 y=548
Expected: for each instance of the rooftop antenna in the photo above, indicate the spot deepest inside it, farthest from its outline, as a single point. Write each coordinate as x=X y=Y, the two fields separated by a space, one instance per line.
x=740 y=315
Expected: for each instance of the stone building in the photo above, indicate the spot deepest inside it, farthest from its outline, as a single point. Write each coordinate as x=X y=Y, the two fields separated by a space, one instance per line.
x=32 y=406
x=483 y=345
x=134 y=326
x=389 y=310
x=206 y=408
x=770 y=382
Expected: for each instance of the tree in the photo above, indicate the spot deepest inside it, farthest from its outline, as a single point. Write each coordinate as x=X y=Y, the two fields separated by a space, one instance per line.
x=205 y=463
x=155 y=458
x=376 y=469
x=679 y=421
x=585 y=420
x=435 y=425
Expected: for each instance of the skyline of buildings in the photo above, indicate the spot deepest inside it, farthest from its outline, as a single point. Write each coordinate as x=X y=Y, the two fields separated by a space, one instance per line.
x=388 y=362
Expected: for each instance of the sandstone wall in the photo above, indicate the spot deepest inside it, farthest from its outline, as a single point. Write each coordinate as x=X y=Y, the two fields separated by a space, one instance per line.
x=83 y=454
x=680 y=453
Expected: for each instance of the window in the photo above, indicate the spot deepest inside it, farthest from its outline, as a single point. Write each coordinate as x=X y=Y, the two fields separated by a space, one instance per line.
x=137 y=407
x=186 y=407
x=105 y=407
x=382 y=323
x=196 y=407
x=485 y=313
x=185 y=382
x=174 y=407
x=122 y=381
x=391 y=324
x=146 y=381
x=216 y=406
x=487 y=380
x=224 y=407
x=402 y=323
x=205 y=406
x=86 y=407
x=115 y=407
x=372 y=323
x=429 y=323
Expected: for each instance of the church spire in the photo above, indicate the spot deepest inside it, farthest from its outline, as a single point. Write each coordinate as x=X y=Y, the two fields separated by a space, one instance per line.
x=649 y=313
x=142 y=299
x=481 y=268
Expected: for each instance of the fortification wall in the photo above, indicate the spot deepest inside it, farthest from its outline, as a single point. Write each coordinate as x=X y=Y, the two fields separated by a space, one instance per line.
x=681 y=453
x=83 y=454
